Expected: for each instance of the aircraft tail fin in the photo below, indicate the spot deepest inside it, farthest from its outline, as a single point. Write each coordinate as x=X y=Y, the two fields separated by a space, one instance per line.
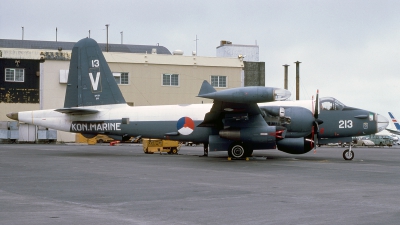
x=396 y=124
x=206 y=88
x=90 y=81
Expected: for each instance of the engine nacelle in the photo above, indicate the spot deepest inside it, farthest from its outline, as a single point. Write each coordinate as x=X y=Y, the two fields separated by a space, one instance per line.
x=254 y=134
x=275 y=111
x=294 y=145
x=297 y=120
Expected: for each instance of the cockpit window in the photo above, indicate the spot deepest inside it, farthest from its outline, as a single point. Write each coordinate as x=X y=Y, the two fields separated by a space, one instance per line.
x=329 y=103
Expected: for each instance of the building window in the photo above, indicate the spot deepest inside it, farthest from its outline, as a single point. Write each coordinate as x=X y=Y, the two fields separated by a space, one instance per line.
x=121 y=78
x=64 y=76
x=218 y=81
x=170 y=79
x=15 y=75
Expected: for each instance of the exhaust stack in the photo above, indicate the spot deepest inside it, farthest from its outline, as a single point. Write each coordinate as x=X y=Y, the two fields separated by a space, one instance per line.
x=286 y=77
x=297 y=80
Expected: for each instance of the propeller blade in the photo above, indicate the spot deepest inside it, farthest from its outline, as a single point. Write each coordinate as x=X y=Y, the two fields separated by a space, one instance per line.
x=312 y=105
x=316 y=105
x=315 y=127
x=312 y=145
x=316 y=132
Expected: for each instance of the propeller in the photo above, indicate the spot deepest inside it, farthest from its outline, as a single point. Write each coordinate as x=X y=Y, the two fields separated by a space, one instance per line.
x=317 y=122
x=316 y=107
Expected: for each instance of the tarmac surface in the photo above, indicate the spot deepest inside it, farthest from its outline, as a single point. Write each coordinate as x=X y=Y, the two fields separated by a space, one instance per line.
x=102 y=184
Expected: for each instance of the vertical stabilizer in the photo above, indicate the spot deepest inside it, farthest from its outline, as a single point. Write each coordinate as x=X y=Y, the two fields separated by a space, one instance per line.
x=396 y=124
x=90 y=81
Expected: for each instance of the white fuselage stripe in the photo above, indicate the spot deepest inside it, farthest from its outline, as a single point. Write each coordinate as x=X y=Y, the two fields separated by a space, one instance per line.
x=60 y=121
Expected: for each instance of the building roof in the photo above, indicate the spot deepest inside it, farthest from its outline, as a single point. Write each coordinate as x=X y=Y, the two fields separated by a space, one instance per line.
x=163 y=59
x=29 y=44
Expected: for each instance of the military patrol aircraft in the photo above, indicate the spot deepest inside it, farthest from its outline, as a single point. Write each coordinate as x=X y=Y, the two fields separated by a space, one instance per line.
x=239 y=121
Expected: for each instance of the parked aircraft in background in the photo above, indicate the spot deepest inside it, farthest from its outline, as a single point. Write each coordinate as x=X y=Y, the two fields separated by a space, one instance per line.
x=396 y=124
x=239 y=121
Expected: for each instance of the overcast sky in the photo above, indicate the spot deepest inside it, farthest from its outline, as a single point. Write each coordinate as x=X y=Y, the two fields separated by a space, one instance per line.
x=349 y=49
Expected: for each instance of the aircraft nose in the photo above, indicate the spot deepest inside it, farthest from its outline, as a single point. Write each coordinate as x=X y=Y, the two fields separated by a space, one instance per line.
x=381 y=122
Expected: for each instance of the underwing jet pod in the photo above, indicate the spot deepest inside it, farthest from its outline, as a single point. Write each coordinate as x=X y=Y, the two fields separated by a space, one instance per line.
x=239 y=121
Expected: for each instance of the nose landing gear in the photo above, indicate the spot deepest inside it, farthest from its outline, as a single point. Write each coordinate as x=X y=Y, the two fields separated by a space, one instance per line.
x=348 y=154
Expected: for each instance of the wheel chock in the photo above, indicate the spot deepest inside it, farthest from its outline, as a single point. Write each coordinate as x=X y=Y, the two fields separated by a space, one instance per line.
x=229 y=158
x=247 y=159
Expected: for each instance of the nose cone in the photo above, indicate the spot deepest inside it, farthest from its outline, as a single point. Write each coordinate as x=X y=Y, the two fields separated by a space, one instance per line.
x=13 y=116
x=381 y=122
x=281 y=94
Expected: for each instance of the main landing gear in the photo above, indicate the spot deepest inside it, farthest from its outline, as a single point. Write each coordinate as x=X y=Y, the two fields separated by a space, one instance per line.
x=205 y=148
x=239 y=150
x=348 y=154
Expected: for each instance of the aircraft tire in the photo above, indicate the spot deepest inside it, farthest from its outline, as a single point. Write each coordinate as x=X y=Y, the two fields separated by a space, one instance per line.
x=236 y=151
x=348 y=155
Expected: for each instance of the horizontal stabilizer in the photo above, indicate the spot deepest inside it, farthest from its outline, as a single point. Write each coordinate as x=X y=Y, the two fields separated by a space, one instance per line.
x=77 y=111
x=206 y=88
x=393 y=131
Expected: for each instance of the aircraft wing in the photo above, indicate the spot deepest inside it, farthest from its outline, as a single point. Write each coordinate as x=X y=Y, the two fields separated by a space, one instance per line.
x=238 y=106
x=236 y=119
x=77 y=111
x=225 y=111
x=393 y=131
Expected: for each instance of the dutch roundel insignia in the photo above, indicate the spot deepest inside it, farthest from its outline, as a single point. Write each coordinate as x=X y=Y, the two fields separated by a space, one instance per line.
x=185 y=126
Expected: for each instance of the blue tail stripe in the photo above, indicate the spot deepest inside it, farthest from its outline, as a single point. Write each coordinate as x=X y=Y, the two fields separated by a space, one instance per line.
x=396 y=124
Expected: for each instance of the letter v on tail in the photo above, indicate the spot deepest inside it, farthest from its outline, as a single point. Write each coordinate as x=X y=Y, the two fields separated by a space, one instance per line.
x=95 y=82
